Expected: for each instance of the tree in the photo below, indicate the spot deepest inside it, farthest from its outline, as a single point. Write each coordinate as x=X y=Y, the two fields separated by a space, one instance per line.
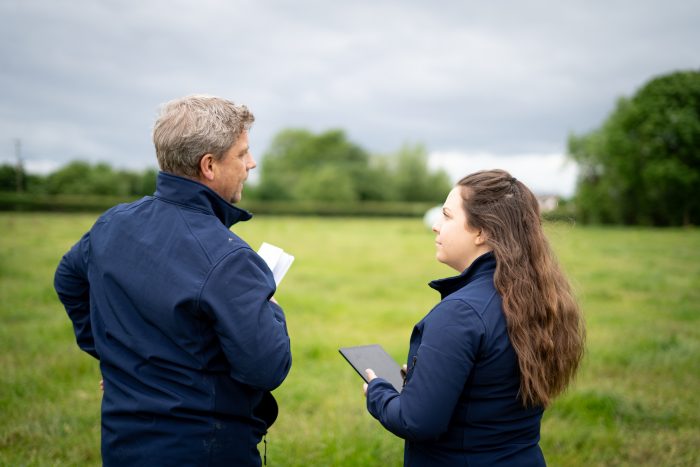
x=82 y=178
x=8 y=177
x=70 y=179
x=414 y=182
x=642 y=166
x=325 y=184
x=300 y=165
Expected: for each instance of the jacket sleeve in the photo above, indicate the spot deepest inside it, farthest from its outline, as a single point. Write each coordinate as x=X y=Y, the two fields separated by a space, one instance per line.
x=443 y=363
x=73 y=289
x=252 y=330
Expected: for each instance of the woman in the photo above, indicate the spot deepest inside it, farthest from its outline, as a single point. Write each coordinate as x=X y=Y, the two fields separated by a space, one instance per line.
x=506 y=338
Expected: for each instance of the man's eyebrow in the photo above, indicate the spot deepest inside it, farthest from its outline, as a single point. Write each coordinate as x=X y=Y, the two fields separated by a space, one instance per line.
x=243 y=151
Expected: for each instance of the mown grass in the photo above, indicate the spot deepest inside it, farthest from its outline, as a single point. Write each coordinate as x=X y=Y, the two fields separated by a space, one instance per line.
x=358 y=281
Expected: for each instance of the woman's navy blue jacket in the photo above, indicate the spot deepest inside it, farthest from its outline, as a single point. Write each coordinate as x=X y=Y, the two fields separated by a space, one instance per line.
x=460 y=403
x=176 y=308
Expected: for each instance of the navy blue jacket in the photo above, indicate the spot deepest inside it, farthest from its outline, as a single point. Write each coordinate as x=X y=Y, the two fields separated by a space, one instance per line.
x=460 y=404
x=176 y=308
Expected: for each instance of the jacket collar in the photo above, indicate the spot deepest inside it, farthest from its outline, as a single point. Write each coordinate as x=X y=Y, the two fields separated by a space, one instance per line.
x=186 y=192
x=484 y=264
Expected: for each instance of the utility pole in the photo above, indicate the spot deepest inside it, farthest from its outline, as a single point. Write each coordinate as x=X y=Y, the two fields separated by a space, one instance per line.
x=19 y=170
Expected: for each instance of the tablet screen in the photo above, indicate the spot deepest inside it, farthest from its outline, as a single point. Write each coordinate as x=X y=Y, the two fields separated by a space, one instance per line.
x=374 y=357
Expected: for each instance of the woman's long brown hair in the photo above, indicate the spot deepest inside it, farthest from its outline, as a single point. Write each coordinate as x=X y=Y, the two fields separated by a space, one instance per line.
x=545 y=324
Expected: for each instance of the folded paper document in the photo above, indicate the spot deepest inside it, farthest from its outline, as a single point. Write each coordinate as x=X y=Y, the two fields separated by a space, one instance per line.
x=277 y=260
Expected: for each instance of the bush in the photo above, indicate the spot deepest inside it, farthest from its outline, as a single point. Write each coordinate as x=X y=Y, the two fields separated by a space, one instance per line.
x=59 y=203
x=94 y=203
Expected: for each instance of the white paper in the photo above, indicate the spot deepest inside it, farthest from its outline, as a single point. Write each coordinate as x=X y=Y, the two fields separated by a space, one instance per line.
x=277 y=260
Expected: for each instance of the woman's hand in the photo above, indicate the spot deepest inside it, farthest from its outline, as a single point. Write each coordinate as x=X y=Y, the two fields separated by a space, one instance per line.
x=370 y=376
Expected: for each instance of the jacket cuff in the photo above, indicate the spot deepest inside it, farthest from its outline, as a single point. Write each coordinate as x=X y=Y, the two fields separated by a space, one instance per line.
x=378 y=390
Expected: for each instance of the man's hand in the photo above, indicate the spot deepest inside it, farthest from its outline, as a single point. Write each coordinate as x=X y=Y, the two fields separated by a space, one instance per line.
x=102 y=385
x=370 y=376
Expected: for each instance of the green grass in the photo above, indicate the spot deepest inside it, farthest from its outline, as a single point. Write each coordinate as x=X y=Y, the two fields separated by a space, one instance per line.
x=358 y=281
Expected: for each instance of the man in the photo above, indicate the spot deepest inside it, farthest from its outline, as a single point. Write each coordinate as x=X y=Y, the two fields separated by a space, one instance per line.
x=176 y=307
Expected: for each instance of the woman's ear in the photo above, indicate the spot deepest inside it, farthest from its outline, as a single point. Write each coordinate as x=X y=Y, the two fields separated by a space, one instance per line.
x=206 y=167
x=480 y=238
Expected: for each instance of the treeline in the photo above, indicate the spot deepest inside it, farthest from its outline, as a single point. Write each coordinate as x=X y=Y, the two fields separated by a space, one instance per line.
x=302 y=173
x=80 y=178
x=641 y=167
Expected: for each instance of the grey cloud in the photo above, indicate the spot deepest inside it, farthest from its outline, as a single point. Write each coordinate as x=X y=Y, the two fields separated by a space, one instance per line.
x=86 y=78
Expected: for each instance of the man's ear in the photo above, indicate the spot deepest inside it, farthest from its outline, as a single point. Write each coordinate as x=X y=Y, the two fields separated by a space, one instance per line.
x=206 y=167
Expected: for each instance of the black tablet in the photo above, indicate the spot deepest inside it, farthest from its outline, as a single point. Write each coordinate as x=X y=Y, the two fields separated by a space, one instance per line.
x=374 y=357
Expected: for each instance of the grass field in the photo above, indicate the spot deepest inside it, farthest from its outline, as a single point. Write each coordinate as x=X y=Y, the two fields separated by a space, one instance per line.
x=635 y=401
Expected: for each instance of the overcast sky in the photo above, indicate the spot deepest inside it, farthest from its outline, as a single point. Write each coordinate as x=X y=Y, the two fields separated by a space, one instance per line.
x=481 y=84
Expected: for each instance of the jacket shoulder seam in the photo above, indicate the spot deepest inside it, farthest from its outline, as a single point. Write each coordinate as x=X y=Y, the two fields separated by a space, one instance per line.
x=213 y=267
x=464 y=301
x=196 y=237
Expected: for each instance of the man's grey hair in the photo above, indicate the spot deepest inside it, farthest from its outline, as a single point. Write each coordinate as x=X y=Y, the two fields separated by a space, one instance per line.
x=189 y=127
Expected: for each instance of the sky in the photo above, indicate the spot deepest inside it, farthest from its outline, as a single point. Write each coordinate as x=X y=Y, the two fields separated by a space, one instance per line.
x=481 y=84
